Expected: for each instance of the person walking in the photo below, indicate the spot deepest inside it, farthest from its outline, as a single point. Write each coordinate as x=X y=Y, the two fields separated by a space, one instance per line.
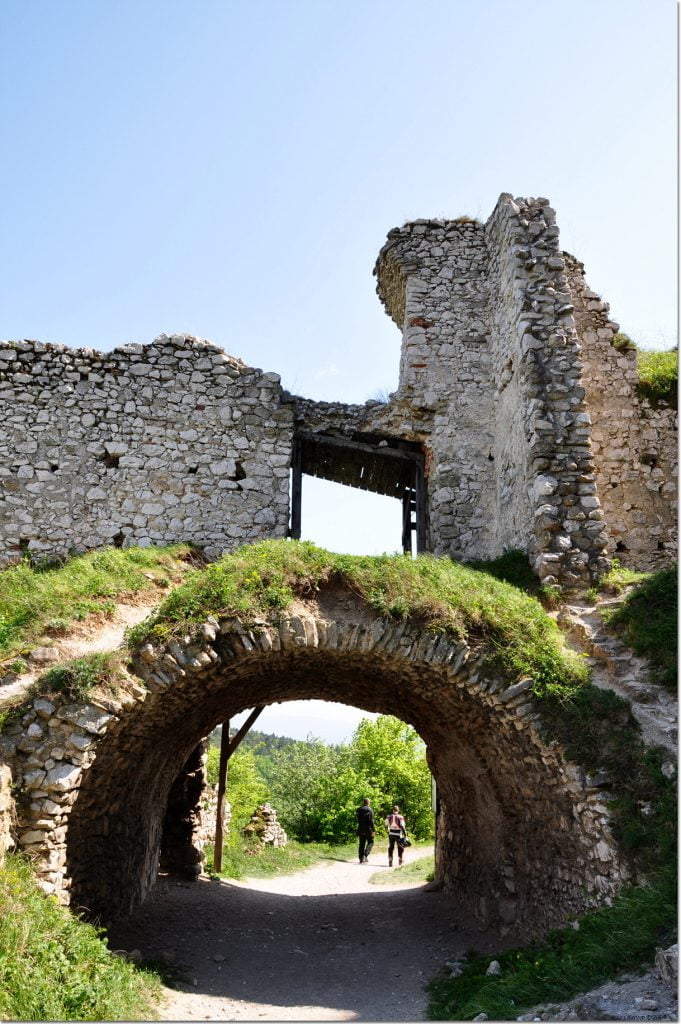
x=365 y=830
x=397 y=832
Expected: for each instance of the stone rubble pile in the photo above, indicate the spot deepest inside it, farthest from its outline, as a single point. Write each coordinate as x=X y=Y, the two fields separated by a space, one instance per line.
x=264 y=827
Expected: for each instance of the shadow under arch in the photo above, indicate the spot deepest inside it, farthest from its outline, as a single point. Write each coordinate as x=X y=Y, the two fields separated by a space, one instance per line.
x=519 y=840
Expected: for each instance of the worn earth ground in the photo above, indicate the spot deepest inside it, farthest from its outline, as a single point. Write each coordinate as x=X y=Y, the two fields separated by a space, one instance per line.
x=323 y=944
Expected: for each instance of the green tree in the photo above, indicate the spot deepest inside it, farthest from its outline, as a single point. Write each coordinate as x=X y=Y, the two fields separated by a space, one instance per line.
x=390 y=756
x=302 y=781
x=317 y=788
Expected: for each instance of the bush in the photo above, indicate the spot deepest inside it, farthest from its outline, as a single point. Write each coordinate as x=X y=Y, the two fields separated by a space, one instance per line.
x=658 y=375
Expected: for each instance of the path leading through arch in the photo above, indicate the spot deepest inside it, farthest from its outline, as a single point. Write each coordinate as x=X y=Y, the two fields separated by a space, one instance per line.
x=323 y=944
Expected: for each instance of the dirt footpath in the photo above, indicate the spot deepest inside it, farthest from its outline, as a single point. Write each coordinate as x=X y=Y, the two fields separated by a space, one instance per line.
x=323 y=944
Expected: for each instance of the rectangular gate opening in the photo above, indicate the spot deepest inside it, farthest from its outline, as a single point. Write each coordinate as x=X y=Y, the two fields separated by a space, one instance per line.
x=369 y=463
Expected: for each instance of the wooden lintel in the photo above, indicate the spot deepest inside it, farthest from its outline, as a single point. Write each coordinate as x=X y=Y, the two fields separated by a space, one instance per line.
x=360 y=446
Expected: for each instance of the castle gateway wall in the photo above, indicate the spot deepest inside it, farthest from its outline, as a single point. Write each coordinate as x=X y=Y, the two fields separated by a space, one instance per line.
x=173 y=441
x=527 y=418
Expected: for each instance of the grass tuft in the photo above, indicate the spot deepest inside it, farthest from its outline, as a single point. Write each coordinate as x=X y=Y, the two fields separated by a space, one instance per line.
x=54 y=966
x=658 y=377
x=420 y=870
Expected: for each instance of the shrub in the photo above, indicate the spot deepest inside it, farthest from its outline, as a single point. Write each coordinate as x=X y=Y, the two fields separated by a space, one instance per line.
x=75 y=679
x=658 y=376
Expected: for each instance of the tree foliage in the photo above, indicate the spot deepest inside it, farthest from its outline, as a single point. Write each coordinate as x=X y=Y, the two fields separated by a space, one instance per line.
x=317 y=788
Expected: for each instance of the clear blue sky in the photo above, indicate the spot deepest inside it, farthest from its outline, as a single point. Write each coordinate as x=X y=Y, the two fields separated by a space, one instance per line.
x=231 y=169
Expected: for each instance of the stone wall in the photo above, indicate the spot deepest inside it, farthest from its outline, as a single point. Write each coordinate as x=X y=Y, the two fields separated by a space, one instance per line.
x=432 y=279
x=527 y=418
x=7 y=813
x=546 y=492
x=635 y=446
x=173 y=441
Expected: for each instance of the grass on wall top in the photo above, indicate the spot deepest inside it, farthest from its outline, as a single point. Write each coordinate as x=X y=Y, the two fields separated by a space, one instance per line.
x=434 y=593
x=658 y=372
x=658 y=376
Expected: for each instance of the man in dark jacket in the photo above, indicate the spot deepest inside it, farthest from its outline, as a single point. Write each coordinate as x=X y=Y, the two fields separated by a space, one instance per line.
x=365 y=830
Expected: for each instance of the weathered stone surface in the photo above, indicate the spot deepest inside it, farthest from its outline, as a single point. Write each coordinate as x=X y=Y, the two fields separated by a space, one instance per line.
x=521 y=841
x=527 y=419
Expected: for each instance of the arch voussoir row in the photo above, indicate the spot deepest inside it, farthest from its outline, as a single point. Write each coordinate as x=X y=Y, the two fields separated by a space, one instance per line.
x=521 y=839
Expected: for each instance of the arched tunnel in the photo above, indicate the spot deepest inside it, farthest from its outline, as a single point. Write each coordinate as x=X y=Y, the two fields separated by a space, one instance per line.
x=519 y=840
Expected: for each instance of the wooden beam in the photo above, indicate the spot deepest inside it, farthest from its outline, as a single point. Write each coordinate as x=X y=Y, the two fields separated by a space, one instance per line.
x=296 y=490
x=227 y=748
x=406 y=523
x=234 y=743
x=222 y=785
x=420 y=510
x=359 y=446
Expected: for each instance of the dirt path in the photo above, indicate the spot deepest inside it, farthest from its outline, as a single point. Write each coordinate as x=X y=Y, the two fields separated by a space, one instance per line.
x=89 y=637
x=323 y=944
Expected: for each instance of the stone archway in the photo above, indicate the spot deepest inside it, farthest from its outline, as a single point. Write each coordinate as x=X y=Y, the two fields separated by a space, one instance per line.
x=521 y=841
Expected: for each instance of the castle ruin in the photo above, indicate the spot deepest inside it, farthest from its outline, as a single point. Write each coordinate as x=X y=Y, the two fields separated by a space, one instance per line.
x=516 y=423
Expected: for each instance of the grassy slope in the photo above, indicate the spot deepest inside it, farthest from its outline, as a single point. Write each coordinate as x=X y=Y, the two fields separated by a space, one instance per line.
x=647 y=622
x=55 y=967
x=52 y=965
x=36 y=602
x=243 y=860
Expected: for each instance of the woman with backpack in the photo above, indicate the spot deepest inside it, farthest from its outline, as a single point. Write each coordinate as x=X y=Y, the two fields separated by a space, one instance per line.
x=397 y=834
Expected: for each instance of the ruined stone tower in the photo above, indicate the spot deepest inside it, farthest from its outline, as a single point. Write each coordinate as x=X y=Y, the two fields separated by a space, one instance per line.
x=516 y=423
